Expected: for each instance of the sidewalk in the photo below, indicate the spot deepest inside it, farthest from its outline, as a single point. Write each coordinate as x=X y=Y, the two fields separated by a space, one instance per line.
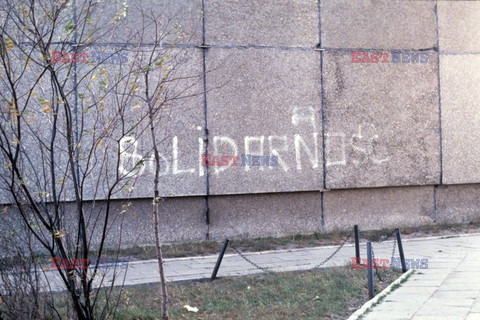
x=448 y=289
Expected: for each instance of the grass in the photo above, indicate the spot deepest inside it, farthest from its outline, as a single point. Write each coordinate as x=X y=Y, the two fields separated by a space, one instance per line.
x=332 y=293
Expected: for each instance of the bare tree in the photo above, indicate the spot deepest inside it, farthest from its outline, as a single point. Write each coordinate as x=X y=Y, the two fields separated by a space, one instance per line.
x=162 y=74
x=65 y=124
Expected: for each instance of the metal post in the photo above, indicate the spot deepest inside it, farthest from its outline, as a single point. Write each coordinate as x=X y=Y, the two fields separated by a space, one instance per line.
x=371 y=289
x=400 y=249
x=219 y=260
x=357 y=243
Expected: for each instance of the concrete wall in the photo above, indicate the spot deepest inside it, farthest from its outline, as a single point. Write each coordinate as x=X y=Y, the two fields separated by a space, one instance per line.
x=375 y=144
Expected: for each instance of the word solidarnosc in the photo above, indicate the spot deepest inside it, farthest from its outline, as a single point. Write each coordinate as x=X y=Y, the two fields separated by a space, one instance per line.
x=385 y=263
x=383 y=57
x=248 y=160
x=93 y=57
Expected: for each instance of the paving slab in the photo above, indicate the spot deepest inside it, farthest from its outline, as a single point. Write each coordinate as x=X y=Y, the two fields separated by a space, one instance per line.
x=448 y=289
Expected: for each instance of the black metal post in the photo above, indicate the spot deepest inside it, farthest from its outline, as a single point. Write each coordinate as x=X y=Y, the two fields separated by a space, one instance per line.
x=219 y=260
x=400 y=249
x=371 y=289
x=357 y=243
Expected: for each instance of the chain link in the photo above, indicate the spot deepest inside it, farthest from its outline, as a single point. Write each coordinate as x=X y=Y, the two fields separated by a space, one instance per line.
x=393 y=255
x=376 y=266
x=332 y=255
x=250 y=261
x=271 y=272
x=389 y=270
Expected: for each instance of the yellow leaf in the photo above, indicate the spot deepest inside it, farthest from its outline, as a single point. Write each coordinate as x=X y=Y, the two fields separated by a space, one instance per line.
x=46 y=105
x=9 y=43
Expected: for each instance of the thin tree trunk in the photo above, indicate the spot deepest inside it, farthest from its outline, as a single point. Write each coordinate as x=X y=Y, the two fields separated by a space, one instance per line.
x=157 y=218
x=160 y=261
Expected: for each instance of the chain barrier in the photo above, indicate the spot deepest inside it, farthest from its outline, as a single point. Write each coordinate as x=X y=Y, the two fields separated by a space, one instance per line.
x=318 y=266
x=250 y=261
x=267 y=270
x=333 y=254
x=389 y=270
x=376 y=266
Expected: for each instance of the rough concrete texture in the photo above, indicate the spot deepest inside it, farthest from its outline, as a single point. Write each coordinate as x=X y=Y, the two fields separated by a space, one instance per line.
x=263 y=215
x=267 y=22
x=144 y=21
x=381 y=120
x=382 y=24
x=181 y=219
x=35 y=132
x=458 y=204
x=265 y=102
x=459 y=78
x=178 y=130
x=378 y=208
x=130 y=222
x=381 y=123
x=459 y=26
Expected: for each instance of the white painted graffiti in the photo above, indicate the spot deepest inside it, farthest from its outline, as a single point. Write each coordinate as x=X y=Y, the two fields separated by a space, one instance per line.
x=362 y=146
x=294 y=152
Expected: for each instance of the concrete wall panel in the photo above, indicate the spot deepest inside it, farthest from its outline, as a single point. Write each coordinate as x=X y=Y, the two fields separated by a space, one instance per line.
x=267 y=22
x=381 y=122
x=173 y=21
x=250 y=216
x=181 y=220
x=459 y=26
x=378 y=208
x=458 y=204
x=460 y=76
x=179 y=122
x=265 y=102
x=381 y=24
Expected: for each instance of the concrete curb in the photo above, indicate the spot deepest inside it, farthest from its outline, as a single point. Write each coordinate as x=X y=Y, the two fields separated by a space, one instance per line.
x=369 y=304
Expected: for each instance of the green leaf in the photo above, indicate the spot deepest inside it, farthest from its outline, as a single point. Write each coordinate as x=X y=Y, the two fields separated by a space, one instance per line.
x=68 y=27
